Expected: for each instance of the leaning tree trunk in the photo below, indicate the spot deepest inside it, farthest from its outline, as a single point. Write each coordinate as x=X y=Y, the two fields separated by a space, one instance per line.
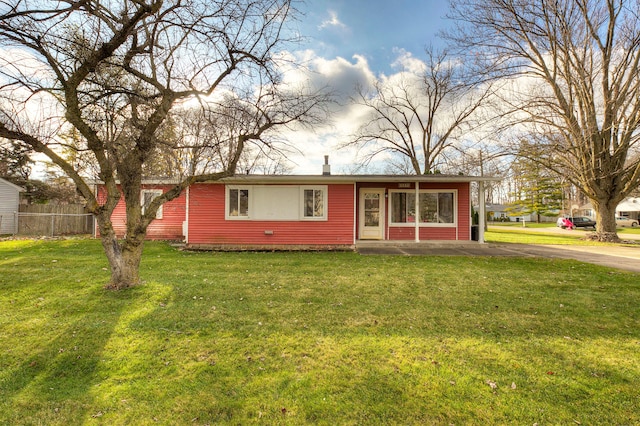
x=606 y=230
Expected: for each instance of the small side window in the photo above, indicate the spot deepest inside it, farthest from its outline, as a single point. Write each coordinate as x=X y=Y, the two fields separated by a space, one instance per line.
x=314 y=203
x=238 y=203
x=146 y=197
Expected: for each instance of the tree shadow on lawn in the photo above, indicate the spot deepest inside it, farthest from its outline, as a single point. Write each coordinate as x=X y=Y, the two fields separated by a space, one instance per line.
x=53 y=383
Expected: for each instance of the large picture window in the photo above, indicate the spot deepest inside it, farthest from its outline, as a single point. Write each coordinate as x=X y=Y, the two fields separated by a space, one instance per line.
x=434 y=207
x=276 y=202
x=403 y=207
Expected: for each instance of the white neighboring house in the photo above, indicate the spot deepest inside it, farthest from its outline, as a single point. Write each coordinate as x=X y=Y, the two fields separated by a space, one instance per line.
x=629 y=207
x=499 y=213
x=9 y=201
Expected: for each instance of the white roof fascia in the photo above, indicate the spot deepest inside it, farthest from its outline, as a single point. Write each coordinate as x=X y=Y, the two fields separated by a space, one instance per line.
x=354 y=178
x=311 y=179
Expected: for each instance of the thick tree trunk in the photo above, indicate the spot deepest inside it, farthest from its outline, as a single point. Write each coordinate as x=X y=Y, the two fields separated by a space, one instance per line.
x=124 y=259
x=123 y=255
x=606 y=221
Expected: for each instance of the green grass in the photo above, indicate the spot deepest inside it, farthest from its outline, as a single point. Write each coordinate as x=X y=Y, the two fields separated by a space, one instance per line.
x=526 y=224
x=533 y=225
x=634 y=230
x=537 y=235
x=507 y=235
x=314 y=338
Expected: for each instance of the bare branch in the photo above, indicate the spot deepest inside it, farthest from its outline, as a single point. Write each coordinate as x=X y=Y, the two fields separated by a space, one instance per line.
x=421 y=116
x=584 y=58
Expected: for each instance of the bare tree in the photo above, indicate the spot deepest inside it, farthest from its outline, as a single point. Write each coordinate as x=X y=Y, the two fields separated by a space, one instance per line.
x=115 y=72
x=575 y=66
x=420 y=115
x=196 y=141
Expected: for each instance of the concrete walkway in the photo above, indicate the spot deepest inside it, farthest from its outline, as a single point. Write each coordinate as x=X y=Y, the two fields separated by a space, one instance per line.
x=625 y=258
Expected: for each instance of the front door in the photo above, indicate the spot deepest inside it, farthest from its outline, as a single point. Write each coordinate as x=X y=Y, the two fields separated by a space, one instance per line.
x=371 y=214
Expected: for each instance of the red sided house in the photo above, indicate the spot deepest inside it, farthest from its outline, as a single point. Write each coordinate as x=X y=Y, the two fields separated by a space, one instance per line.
x=314 y=211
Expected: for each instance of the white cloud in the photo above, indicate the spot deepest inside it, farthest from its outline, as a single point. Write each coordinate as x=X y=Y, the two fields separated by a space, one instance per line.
x=407 y=62
x=341 y=77
x=332 y=22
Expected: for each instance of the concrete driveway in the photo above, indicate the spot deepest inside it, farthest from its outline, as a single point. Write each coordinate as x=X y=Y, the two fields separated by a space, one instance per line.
x=619 y=257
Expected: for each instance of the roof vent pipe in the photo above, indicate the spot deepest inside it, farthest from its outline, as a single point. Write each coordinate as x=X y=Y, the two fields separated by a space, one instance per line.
x=326 y=168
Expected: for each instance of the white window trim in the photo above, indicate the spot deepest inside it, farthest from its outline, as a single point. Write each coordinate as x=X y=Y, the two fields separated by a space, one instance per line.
x=325 y=198
x=424 y=224
x=227 y=188
x=156 y=193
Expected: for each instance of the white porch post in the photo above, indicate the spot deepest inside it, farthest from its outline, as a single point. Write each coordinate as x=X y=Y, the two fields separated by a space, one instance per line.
x=185 y=224
x=417 y=214
x=481 y=214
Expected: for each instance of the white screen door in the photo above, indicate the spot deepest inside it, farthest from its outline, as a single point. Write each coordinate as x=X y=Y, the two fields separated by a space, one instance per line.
x=371 y=214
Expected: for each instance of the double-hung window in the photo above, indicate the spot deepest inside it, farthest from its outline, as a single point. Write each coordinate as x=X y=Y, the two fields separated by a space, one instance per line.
x=238 y=203
x=313 y=203
x=146 y=197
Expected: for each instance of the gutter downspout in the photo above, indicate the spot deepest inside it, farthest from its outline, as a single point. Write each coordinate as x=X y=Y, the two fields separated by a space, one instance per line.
x=185 y=227
x=481 y=214
x=417 y=213
x=355 y=213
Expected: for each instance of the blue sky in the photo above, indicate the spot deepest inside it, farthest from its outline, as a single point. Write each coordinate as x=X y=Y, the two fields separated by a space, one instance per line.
x=350 y=43
x=353 y=43
x=375 y=29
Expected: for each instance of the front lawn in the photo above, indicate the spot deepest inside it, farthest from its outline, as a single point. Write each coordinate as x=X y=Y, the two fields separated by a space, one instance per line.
x=536 y=236
x=629 y=230
x=554 y=236
x=524 y=224
x=314 y=338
